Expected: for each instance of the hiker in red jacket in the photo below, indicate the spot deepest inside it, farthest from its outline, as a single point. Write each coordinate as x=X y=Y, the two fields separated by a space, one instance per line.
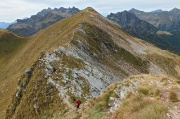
x=78 y=102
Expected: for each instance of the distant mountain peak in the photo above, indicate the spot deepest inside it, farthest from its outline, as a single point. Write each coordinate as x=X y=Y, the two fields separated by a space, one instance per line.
x=135 y=10
x=175 y=10
x=157 y=11
x=90 y=9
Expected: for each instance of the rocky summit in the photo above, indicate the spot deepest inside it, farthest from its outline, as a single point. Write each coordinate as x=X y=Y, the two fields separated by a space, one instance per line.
x=88 y=57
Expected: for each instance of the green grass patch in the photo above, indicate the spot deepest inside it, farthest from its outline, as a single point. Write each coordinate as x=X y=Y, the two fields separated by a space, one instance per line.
x=99 y=107
x=164 y=79
x=156 y=92
x=178 y=81
x=72 y=62
x=173 y=96
x=144 y=90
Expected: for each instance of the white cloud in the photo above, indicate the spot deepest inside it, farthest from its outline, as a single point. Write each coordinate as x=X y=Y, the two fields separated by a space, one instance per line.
x=11 y=10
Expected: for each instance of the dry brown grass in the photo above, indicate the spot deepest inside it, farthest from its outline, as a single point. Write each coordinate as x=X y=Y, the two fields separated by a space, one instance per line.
x=143 y=104
x=140 y=108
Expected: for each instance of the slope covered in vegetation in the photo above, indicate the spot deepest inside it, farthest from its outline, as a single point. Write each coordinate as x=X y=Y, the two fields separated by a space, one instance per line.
x=77 y=58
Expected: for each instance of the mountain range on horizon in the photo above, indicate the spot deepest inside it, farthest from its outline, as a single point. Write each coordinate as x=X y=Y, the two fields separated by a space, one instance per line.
x=98 y=60
x=4 y=25
x=41 y=20
x=164 y=20
x=146 y=31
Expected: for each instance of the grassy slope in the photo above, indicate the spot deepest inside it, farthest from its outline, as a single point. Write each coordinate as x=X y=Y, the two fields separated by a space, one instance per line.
x=93 y=38
x=59 y=34
x=144 y=99
x=9 y=46
x=169 y=62
x=42 y=96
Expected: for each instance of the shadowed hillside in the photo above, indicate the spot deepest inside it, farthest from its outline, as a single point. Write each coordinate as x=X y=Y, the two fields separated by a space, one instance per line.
x=9 y=45
x=146 y=31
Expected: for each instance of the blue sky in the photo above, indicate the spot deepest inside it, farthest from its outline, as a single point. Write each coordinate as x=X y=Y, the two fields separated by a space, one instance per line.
x=10 y=10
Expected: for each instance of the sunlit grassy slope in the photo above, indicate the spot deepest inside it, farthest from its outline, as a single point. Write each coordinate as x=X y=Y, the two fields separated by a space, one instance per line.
x=9 y=44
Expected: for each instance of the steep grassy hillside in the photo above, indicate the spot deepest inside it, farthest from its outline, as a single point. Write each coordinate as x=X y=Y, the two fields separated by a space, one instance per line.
x=78 y=57
x=9 y=45
x=56 y=35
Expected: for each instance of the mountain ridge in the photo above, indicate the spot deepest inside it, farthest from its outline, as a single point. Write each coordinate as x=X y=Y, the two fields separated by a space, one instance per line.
x=80 y=57
x=141 y=29
x=146 y=31
x=166 y=20
x=31 y=25
x=41 y=20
